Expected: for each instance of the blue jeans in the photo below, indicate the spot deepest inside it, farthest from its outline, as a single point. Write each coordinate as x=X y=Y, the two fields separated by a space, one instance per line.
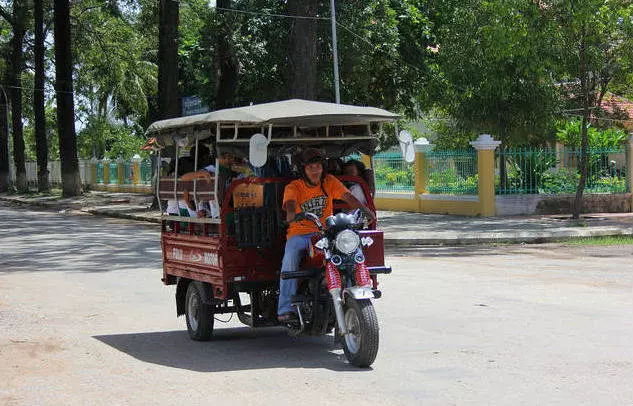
x=296 y=246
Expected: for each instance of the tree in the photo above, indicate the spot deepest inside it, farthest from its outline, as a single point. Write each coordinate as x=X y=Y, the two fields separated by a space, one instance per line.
x=168 y=92
x=302 y=52
x=18 y=20
x=597 y=46
x=38 y=99
x=5 y=180
x=225 y=60
x=71 y=181
x=495 y=61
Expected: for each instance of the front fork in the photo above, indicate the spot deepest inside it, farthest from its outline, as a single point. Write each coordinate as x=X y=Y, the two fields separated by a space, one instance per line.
x=333 y=278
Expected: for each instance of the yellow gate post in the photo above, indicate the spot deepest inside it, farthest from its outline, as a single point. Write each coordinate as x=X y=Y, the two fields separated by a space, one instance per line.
x=120 y=172
x=93 y=171
x=629 y=167
x=485 y=146
x=106 y=171
x=136 y=170
x=421 y=147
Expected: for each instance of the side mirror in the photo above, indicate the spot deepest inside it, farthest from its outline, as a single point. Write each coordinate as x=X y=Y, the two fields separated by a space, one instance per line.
x=406 y=145
x=258 y=150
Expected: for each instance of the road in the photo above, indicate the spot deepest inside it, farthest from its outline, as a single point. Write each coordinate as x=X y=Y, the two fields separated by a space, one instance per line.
x=84 y=319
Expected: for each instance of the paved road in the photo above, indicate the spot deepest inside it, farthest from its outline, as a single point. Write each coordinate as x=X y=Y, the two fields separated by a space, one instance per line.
x=84 y=319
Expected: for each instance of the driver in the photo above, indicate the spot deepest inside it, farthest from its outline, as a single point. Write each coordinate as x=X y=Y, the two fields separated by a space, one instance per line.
x=314 y=192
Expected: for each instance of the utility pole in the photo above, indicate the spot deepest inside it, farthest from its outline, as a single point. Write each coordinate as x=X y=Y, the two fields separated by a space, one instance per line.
x=337 y=91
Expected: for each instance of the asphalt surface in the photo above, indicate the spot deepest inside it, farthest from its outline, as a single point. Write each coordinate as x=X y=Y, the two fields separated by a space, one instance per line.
x=84 y=319
x=401 y=229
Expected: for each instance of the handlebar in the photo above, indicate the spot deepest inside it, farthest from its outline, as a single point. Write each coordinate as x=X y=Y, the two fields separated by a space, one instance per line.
x=304 y=215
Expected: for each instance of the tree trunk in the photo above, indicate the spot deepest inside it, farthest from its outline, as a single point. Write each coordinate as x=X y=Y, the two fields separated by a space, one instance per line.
x=584 y=143
x=41 y=143
x=15 y=74
x=168 y=97
x=5 y=179
x=71 y=182
x=225 y=60
x=302 y=54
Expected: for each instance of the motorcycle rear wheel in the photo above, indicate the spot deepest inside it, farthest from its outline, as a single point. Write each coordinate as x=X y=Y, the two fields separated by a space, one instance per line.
x=360 y=344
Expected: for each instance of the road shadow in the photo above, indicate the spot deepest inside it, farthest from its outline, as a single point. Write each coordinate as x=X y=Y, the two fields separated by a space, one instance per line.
x=51 y=241
x=232 y=349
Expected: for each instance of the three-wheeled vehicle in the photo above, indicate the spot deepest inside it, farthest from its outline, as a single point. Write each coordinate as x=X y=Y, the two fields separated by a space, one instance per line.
x=231 y=263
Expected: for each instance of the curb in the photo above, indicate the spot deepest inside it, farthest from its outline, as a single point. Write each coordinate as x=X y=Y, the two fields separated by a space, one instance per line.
x=393 y=242
x=128 y=216
x=540 y=238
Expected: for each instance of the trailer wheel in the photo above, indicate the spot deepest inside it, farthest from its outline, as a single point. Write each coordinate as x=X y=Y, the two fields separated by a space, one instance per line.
x=199 y=315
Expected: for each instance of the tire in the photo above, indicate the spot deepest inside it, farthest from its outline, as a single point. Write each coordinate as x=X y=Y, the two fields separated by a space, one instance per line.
x=360 y=344
x=198 y=314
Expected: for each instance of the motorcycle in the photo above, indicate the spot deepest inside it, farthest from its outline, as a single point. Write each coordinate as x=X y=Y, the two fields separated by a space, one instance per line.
x=336 y=288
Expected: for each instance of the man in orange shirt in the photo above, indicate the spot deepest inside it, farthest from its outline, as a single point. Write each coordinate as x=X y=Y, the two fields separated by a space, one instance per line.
x=314 y=193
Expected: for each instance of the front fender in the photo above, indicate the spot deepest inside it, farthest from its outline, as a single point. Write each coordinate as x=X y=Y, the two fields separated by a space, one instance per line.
x=358 y=293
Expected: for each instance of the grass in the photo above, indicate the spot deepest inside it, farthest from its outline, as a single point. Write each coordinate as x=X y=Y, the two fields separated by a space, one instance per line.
x=606 y=240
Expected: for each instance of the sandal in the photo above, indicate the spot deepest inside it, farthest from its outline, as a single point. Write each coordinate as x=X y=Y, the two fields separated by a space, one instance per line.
x=287 y=317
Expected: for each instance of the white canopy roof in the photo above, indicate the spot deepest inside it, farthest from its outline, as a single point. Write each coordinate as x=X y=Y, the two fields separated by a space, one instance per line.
x=293 y=112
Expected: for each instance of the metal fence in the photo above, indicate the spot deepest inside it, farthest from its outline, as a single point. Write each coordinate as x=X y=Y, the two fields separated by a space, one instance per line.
x=393 y=173
x=146 y=172
x=452 y=172
x=531 y=170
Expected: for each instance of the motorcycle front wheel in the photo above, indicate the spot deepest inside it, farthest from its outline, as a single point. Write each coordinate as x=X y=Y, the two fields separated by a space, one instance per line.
x=360 y=344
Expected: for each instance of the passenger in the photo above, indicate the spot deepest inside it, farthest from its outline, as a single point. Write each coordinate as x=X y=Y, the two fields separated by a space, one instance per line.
x=229 y=169
x=354 y=167
x=335 y=166
x=313 y=193
x=186 y=164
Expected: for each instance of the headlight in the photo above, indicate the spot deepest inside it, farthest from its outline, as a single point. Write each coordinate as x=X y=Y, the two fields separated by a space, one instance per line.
x=347 y=241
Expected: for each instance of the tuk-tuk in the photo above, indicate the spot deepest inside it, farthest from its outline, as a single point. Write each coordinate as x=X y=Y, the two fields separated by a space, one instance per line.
x=228 y=259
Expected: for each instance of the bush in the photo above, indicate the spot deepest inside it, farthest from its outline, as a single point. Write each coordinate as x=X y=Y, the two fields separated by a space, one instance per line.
x=390 y=177
x=448 y=181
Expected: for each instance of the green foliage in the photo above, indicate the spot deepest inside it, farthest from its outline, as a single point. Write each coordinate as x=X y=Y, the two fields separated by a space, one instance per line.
x=569 y=134
x=447 y=133
x=495 y=59
x=50 y=113
x=390 y=177
x=527 y=168
x=559 y=181
x=449 y=181
x=103 y=139
x=115 y=72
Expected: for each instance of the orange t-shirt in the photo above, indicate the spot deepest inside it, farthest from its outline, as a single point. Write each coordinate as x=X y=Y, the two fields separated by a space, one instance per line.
x=312 y=199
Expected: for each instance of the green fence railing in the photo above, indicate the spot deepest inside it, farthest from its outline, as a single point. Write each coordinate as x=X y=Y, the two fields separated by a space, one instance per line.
x=145 y=172
x=393 y=173
x=112 y=173
x=128 y=172
x=452 y=172
x=530 y=170
x=99 y=171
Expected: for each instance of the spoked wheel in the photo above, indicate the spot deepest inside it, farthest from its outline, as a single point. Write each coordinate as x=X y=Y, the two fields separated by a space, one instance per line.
x=361 y=342
x=199 y=314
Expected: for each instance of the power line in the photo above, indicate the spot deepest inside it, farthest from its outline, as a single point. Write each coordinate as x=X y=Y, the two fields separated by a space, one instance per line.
x=259 y=13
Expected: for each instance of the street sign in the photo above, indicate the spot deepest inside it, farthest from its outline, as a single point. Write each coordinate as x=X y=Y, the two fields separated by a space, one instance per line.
x=193 y=105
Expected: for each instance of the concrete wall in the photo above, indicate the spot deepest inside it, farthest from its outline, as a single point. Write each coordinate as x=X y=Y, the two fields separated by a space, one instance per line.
x=562 y=204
